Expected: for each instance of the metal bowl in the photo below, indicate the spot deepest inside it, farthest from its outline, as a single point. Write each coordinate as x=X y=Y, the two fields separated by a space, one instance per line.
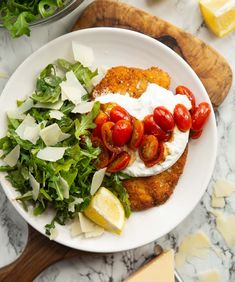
x=70 y=5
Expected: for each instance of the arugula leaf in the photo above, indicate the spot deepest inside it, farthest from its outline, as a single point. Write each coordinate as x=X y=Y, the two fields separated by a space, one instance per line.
x=14 y=137
x=114 y=183
x=78 y=164
x=47 y=86
x=49 y=227
x=17 y=14
x=70 y=177
x=21 y=25
x=86 y=123
x=83 y=74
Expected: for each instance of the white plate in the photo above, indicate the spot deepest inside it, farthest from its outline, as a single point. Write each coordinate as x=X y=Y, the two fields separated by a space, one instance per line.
x=122 y=47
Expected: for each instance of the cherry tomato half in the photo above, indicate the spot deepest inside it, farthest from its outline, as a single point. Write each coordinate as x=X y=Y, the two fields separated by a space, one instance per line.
x=195 y=134
x=185 y=91
x=104 y=157
x=200 y=116
x=117 y=113
x=150 y=127
x=121 y=132
x=148 y=148
x=158 y=158
x=106 y=132
x=182 y=117
x=137 y=134
x=99 y=121
x=119 y=163
x=164 y=118
x=107 y=107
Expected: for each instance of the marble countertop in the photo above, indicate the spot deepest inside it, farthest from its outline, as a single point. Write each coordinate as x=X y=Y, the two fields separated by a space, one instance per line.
x=115 y=267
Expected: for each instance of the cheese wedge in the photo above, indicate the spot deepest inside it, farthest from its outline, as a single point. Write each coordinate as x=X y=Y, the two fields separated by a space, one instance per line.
x=159 y=269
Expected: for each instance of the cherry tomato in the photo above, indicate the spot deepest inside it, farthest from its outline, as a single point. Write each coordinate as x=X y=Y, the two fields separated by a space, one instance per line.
x=164 y=118
x=117 y=113
x=104 y=158
x=195 y=134
x=200 y=116
x=148 y=148
x=158 y=158
x=182 y=117
x=107 y=107
x=185 y=91
x=99 y=121
x=121 y=132
x=137 y=134
x=119 y=163
x=106 y=132
x=150 y=127
x=112 y=156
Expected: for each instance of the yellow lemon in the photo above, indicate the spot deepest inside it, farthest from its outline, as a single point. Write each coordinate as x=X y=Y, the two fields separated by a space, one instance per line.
x=106 y=210
x=219 y=15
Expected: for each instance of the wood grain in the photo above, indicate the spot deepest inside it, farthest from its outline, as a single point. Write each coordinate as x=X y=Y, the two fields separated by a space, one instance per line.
x=209 y=65
x=39 y=253
x=211 y=68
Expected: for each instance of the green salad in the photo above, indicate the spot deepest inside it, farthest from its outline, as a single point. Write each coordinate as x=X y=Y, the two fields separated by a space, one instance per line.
x=48 y=153
x=17 y=14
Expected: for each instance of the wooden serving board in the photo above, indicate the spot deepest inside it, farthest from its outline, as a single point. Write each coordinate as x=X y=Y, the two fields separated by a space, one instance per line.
x=210 y=66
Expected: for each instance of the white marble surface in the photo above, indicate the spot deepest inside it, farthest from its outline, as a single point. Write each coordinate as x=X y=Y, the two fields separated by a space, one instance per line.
x=115 y=267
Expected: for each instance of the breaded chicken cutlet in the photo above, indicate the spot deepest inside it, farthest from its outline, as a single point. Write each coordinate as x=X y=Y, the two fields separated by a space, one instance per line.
x=144 y=192
x=131 y=80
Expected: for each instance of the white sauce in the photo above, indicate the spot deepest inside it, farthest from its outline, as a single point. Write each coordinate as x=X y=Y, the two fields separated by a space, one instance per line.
x=153 y=97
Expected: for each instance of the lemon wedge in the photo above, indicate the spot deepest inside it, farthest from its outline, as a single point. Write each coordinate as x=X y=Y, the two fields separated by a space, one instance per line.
x=106 y=210
x=219 y=15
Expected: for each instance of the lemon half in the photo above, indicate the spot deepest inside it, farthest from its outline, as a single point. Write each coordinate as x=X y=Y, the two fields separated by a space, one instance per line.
x=219 y=15
x=106 y=210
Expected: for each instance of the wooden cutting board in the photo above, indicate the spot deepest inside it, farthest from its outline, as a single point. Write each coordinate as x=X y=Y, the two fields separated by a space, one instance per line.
x=210 y=66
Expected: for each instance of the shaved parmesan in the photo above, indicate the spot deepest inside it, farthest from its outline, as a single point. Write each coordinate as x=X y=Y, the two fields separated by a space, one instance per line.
x=27 y=105
x=15 y=115
x=224 y=188
x=84 y=107
x=35 y=186
x=101 y=74
x=52 y=134
x=72 y=94
x=97 y=232
x=29 y=121
x=210 y=276
x=86 y=224
x=51 y=154
x=54 y=234
x=71 y=89
x=54 y=106
x=83 y=54
x=76 y=228
x=225 y=224
x=12 y=157
x=56 y=114
x=72 y=205
x=28 y=130
x=19 y=112
x=97 y=180
x=65 y=187
x=194 y=245
x=217 y=202
x=32 y=134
